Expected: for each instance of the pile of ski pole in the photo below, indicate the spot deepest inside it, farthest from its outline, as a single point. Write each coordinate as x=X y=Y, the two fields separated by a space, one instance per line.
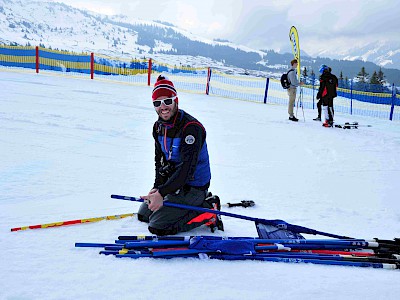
x=376 y=253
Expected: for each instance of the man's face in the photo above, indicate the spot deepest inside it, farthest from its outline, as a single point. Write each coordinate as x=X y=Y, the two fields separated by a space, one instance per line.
x=167 y=107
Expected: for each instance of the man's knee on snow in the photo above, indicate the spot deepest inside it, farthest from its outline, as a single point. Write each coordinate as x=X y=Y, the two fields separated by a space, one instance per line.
x=157 y=231
x=143 y=218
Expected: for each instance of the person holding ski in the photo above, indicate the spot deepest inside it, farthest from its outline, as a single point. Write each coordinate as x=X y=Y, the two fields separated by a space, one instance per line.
x=182 y=168
x=328 y=84
x=292 y=90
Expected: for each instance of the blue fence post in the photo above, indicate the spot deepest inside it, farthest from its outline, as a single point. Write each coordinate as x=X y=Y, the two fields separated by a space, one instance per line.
x=393 y=101
x=266 y=91
x=351 y=96
x=313 y=86
x=208 y=81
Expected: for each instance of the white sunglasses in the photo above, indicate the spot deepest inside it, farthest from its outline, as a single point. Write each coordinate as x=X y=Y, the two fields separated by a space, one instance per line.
x=166 y=101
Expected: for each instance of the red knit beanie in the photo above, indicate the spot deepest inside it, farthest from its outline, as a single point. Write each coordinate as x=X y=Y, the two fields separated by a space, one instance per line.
x=164 y=87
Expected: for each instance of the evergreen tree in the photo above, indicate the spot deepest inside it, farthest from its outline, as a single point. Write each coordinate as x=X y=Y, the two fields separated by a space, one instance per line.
x=381 y=77
x=312 y=77
x=305 y=72
x=374 y=79
x=341 y=81
x=346 y=84
x=362 y=75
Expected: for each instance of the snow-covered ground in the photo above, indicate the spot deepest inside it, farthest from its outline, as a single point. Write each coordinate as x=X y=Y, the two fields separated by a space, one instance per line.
x=67 y=144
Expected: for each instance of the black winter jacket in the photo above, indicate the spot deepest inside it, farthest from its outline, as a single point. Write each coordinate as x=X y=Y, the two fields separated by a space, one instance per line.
x=327 y=86
x=181 y=154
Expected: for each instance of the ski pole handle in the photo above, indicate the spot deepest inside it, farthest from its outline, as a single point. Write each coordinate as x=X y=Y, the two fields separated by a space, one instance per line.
x=243 y=203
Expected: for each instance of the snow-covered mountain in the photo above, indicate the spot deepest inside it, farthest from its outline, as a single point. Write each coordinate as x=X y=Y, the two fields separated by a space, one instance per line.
x=381 y=54
x=385 y=53
x=63 y=27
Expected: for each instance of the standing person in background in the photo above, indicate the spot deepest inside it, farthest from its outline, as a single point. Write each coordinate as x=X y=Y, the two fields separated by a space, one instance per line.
x=328 y=84
x=182 y=168
x=292 y=90
x=319 y=104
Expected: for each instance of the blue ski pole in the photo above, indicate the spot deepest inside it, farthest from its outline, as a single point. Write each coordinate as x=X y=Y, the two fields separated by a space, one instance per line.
x=93 y=245
x=328 y=257
x=159 y=244
x=304 y=260
x=277 y=223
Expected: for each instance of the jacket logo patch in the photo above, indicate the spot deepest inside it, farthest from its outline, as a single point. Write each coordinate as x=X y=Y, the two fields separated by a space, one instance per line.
x=190 y=139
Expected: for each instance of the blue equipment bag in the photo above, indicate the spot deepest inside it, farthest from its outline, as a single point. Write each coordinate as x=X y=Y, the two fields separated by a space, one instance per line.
x=271 y=232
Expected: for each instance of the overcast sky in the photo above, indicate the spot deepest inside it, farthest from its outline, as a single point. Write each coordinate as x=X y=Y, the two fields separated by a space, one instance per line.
x=264 y=24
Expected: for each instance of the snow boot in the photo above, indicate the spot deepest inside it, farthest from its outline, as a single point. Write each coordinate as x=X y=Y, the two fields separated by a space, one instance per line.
x=327 y=123
x=214 y=203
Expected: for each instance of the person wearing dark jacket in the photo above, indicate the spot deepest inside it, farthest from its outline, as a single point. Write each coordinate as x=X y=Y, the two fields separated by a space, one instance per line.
x=182 y=167
x=319 y=104
x=328 y=84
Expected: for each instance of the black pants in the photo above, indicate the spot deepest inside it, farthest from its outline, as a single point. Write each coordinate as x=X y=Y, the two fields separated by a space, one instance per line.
x=319 y=104
x=171 y=220
x=328 y=102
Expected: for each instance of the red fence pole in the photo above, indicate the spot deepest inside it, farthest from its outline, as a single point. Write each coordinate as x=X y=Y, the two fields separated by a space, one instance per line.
x=37 y=59
x=149 y=73
x=91 y=65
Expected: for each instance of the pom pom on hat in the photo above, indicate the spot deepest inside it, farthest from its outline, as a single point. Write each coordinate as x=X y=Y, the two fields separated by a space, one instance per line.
x=164 y=87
